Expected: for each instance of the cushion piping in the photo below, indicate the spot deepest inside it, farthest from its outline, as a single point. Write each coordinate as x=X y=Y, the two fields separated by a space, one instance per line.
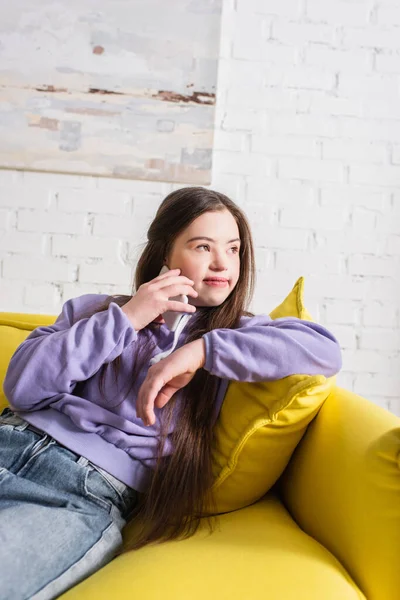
x=242 y=439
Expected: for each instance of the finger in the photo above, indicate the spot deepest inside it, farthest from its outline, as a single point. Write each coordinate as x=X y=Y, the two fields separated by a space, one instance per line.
x=164 y=396
x=146 y=415
x=139 y=401
x=159 y=319
x=179 y=280
x=171 y=272
x=180 y=306
x=138 y=407
x=148 y=396
x=156 y=380
x=176 y=290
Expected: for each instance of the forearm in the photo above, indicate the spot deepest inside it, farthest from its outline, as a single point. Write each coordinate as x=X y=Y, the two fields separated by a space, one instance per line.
x=270 y=351
x=52 y=360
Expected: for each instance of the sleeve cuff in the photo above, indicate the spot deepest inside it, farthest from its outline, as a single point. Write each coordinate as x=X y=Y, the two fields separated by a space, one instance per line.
x=122 y=318
x=209 y=352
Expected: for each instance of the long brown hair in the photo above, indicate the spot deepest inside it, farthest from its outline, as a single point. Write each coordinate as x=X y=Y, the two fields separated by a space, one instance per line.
x=180 y=493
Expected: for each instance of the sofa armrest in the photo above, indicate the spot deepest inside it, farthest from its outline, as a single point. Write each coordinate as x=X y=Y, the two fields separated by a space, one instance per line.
x=342 y=486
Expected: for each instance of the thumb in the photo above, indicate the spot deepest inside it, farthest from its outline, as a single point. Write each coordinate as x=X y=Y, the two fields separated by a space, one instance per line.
x=164 y=396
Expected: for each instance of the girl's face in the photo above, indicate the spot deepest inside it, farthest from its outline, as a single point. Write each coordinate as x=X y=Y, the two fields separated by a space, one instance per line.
x=214 y=254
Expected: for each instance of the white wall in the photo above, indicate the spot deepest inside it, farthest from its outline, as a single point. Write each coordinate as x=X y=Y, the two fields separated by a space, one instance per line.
x=307 y=142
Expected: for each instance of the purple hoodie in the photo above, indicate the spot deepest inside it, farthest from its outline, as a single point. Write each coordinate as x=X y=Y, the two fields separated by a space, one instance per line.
x=53 y=377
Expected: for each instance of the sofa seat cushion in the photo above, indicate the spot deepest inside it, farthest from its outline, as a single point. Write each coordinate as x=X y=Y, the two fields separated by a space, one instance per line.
x=256 y=553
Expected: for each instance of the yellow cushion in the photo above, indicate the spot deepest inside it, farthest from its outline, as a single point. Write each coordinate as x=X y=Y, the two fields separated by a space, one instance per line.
x=293 y=304
x=258 y=553
x=260 y=424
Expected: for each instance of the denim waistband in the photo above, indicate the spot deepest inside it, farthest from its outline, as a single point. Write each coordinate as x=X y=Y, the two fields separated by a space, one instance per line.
x=22 y=424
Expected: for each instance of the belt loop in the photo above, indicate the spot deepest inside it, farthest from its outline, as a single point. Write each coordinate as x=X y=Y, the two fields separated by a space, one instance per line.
x=83 y=461
x=22 y=427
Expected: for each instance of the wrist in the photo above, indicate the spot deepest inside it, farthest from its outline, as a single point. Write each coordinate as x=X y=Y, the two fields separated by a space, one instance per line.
x=202 y=352
x=130 y=317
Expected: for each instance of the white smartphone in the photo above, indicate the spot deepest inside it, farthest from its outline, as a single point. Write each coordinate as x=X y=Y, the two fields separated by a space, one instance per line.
x=172 y=317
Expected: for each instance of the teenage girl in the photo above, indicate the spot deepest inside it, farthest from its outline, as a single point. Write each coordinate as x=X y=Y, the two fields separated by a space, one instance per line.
x=111 y=413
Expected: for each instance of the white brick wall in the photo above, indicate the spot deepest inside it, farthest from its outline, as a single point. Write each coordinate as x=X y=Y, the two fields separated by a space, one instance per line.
x=308 y=143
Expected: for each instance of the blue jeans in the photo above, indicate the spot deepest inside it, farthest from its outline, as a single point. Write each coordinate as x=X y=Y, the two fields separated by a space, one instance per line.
x=60 y=515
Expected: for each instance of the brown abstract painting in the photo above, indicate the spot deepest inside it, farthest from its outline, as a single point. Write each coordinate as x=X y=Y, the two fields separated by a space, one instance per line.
x=114 y=88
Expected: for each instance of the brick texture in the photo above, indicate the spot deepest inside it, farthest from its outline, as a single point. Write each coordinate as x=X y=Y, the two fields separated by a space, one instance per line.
x=307 y=142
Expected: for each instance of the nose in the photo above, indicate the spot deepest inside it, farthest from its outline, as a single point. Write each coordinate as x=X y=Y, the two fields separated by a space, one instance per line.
x=219 y=262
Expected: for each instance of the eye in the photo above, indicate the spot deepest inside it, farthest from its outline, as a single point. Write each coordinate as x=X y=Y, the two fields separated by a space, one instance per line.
x=203 y=246
x=235 y=248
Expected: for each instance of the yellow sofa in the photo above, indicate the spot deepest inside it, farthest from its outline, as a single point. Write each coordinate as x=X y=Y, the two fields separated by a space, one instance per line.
x=329 y=529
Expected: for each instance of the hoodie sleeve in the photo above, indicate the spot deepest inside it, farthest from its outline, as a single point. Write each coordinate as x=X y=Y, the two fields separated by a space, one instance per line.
x=265 y=349
x=52 y=359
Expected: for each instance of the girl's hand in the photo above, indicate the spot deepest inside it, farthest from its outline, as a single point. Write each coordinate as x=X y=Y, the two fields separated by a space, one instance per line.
x=151 y=299
x=167 y=376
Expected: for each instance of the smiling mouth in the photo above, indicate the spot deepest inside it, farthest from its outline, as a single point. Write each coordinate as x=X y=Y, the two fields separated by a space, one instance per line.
x=216 y=279
x=216 y=282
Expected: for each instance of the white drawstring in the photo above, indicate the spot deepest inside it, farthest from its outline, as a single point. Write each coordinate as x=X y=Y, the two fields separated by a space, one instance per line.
x=182 y=323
